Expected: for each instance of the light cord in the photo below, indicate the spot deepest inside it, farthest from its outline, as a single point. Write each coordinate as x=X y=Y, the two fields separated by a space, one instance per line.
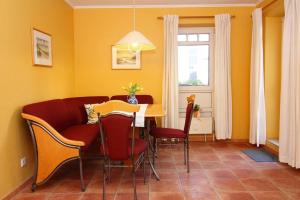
x=133 y=14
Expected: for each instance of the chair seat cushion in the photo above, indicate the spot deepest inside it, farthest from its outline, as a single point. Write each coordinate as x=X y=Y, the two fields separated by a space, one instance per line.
x=139 y=147
x=86 y=133
x=167 y=133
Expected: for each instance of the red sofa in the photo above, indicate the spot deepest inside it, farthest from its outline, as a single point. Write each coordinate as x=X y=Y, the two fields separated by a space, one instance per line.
x=60 y=133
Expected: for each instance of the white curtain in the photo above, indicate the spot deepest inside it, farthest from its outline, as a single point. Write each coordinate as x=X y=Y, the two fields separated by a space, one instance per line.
x=170 y=77
x=289 y=137
x=223 y=102
x=257 y=90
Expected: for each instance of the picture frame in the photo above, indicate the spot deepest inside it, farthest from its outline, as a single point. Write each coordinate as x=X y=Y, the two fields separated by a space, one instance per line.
x=42 y=48
x=125 y=59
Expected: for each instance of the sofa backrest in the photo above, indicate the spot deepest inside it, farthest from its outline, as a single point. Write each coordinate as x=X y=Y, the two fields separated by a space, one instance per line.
x=55 y=112
x=142 y=99
x=76 y=106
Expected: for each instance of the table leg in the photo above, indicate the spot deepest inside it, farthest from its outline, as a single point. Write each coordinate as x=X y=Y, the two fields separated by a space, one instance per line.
x=150 y=148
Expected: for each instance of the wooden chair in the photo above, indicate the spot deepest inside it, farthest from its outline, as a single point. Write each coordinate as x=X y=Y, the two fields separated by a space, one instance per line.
x=177 y=133
x=115 y=128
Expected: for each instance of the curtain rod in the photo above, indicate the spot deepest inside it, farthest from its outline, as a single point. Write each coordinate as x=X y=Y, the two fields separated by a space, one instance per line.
x=268 y=5
x=195 y=17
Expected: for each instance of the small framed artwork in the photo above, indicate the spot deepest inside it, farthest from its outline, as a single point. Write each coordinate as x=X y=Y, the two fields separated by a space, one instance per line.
x=42 y=48
x=125 y=59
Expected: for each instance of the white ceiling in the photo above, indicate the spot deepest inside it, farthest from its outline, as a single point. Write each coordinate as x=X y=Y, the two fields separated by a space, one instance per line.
x=159 y=3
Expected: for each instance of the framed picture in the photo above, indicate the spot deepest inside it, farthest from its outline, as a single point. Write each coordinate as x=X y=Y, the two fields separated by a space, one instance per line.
x=42 y=48
x=125 y=59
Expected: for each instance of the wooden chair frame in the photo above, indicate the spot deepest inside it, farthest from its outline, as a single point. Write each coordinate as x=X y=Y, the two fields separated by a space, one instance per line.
x=186 y=145
x=46 y=164
x=111 y=108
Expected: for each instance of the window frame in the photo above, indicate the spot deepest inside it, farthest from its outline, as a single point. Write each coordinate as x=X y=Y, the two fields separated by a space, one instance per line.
x=200 y=30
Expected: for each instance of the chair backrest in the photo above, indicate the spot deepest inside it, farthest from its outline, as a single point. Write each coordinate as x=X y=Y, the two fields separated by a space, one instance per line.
x=142 y=99
x=115 y=128
x=115 y=131
x=189 y=113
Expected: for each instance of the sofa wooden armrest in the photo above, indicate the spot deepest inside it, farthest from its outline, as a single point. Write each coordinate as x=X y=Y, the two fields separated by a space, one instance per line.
x=51 y=150
x=52 y=130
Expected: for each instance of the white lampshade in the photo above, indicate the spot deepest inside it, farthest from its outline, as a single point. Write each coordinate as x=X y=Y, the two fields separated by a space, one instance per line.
x=135 y=40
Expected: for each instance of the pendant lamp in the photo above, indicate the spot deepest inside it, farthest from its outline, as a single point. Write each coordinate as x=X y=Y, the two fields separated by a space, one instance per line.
x=134 y=40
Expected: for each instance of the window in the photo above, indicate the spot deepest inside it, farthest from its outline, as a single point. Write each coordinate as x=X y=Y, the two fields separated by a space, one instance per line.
x=195 y=63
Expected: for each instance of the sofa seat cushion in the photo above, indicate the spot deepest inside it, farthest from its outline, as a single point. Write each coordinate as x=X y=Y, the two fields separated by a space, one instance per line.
x=167 y=133
x=86 y=133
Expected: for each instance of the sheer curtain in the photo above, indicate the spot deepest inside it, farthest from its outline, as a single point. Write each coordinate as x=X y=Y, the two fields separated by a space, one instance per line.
x=223 y=102
x=289 y=137
x=170 y=76
x=257 y=91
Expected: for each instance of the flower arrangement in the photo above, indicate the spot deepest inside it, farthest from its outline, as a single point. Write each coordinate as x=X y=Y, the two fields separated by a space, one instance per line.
x=196 y=110
x=133 y=88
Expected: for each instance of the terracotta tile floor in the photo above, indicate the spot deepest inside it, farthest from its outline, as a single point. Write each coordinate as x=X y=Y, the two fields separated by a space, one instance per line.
x=218 y=171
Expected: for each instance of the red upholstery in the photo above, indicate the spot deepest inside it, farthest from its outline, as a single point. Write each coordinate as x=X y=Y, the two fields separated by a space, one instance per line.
x=142 y=99
x=116 y=129
x=55 y=112
x=175 y=133
x=86 y=133
x=139 y=146
x=167 y=133
x=76 y=106
x=68 y=117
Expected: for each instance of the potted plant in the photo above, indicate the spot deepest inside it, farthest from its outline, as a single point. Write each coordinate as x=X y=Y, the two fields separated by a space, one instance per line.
x=196 y=110
x=132 y=88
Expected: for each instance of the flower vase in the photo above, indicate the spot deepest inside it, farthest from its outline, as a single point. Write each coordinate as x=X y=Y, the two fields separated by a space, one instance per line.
x=132 y=99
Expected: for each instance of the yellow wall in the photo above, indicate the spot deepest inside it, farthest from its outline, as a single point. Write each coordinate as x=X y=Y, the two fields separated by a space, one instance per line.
x=272 y=25
x=97 y=29
x=272 y=52
x=21 y=83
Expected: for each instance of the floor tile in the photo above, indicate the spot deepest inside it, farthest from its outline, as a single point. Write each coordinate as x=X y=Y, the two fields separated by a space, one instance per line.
x=32 y=196
x=64 y=196
x=164 y=186
x=96 y=196
x=124 y=196
x=288 y=184
x=246 y=173
x=196 y=185
x=218 y=171
x=227 y=184
x=69 y=186
x=236 y=196
x=200 y=196
x=274 y=195
x=166 y=196
x=258 y=184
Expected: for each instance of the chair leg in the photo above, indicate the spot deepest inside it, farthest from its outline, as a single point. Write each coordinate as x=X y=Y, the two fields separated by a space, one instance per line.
x=104 y=179
x=109 y=171
x=154 y=150
x=188 y=154
x=144 y=167
x=133 y=179
x=81 y=175
x=184 y=150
